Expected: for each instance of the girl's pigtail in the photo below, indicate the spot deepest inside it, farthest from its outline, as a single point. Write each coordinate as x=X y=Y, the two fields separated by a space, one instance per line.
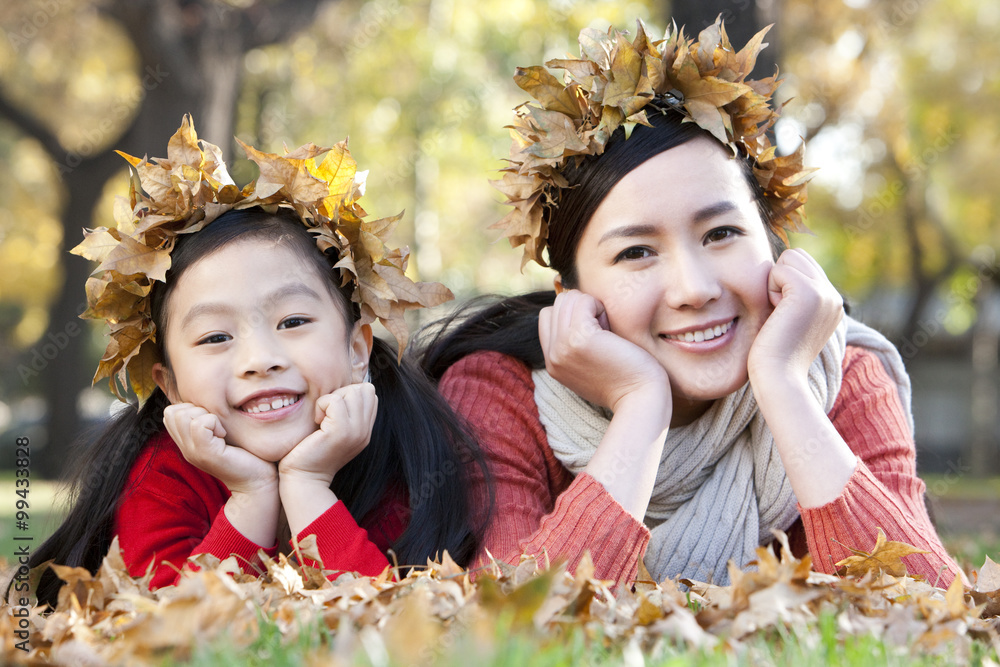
x=419 y=444
x=508 y=326
x=97 y=485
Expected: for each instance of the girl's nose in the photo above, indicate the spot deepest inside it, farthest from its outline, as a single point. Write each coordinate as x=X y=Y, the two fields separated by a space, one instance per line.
x=692 y=282
x=259 y=354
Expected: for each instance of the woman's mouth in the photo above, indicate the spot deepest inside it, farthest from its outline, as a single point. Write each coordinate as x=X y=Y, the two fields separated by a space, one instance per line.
x=701 y=335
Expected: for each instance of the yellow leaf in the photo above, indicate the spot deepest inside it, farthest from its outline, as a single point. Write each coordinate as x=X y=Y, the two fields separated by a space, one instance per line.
x=339 y=169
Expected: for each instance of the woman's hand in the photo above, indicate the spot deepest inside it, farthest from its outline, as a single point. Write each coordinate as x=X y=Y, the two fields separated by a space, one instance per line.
x=807 y=310
x=252 y=508
x=604 y=368
x=586 y=357
x=200 y=437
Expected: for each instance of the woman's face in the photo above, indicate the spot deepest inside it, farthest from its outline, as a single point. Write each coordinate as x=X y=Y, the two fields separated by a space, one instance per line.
x=254 y=337
x=678 y=255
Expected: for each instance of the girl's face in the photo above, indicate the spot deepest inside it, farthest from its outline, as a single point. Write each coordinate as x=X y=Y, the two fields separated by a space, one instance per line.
x=254 y=337
x=678 y=255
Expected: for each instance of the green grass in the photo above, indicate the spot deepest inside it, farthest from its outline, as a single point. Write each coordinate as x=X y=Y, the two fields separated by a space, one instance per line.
x=816 y=645
x=951 y=485
x=44 y=516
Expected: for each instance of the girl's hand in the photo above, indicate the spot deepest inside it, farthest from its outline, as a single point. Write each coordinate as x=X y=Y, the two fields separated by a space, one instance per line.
x=200 y=437
x=807 y=310
x=584 y=355
x=345 y=419
x=253 y=505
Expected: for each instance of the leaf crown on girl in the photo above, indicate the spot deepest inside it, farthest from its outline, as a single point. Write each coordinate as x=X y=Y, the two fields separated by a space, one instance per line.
x=190 y=188
x=617 y=83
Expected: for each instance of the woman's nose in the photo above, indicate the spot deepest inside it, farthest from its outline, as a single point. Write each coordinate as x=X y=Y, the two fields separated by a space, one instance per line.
x=692 y=281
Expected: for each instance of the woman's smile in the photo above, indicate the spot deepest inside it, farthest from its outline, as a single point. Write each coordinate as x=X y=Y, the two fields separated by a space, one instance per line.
x=702 y=333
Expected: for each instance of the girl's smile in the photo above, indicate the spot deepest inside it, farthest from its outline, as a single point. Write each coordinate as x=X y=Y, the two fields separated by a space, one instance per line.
x=258 y=347
x=678 y=254
x=269 y=405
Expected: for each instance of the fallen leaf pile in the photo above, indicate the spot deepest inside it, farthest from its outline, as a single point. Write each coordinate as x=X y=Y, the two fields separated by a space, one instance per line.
x=112 y=618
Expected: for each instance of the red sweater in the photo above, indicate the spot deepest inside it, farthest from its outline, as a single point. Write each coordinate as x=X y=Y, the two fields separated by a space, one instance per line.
x=171 y=510
x=540 y=507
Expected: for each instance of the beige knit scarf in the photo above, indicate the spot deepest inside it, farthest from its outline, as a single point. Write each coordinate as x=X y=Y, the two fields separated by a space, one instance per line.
x=721 y=486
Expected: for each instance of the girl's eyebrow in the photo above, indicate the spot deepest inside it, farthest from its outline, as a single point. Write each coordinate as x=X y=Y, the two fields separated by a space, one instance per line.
x=269 y=301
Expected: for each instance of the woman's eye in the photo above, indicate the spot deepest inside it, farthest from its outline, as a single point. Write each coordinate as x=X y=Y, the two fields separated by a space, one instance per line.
x=720 y=234
x=292 y=322
x=633 y=253
x=214 y=339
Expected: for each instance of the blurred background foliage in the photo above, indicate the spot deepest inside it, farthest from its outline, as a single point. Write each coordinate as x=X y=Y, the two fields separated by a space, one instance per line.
x=898 y=102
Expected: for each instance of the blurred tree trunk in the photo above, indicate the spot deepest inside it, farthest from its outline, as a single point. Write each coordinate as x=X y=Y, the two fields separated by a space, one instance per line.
x=191 y=54
x=742 y=18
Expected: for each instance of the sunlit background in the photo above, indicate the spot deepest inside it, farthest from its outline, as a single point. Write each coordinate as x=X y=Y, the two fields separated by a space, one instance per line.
x=897 y=101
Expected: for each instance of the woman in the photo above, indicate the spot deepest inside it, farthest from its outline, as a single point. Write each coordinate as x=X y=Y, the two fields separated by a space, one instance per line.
x=693 y=385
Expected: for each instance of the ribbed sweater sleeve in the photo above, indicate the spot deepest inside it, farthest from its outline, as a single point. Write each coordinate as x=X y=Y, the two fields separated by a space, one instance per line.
x=884 y=491
x=539 y=508
x=344 y=545
x=170 y=511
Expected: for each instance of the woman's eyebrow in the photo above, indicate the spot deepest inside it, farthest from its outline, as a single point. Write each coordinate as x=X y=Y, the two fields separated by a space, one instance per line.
x=628 y=231
x=713 y=210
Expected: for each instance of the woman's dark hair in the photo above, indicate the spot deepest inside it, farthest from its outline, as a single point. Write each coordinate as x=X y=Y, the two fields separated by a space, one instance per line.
x=510 y=326
x=417 y=447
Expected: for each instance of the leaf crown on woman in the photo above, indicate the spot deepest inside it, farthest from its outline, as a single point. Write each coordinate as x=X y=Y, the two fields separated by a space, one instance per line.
x=621 y=103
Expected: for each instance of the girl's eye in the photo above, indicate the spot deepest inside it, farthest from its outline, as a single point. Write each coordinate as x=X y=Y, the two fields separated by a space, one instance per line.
x=292 y=322
x=720 y=234
x=633 y=253
x=214 y=339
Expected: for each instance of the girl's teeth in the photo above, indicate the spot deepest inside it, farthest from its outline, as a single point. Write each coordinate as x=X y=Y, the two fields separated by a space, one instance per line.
x=273 y=405
x=702 y=336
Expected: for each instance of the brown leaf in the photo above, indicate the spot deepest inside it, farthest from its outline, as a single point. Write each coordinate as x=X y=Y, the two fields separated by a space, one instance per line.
x=549 y=91
x=885 y=557
x=988 y=578
x=131 y=257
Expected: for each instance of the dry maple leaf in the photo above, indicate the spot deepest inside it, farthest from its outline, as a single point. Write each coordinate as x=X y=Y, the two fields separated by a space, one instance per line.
x=885 y=558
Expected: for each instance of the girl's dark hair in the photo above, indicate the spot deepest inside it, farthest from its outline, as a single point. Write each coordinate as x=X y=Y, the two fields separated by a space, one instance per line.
x=510 y=326
x=418 y=446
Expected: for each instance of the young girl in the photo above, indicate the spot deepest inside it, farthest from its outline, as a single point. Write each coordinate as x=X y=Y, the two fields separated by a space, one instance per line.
x=692 y=384
x=275 y=413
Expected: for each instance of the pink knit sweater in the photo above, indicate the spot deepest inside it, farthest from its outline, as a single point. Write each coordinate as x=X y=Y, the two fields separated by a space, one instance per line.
x=540 y=508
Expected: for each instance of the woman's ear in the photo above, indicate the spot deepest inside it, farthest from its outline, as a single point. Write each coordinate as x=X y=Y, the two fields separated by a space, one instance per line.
x=164 y=379
x=361 y=351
